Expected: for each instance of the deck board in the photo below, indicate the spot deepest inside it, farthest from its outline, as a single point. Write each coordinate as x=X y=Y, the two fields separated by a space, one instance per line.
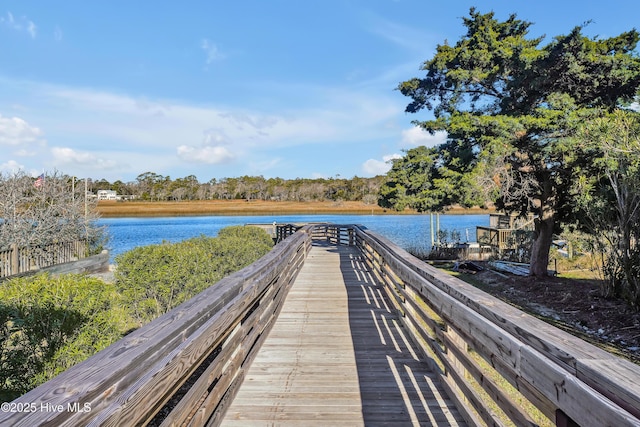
x=338 y=356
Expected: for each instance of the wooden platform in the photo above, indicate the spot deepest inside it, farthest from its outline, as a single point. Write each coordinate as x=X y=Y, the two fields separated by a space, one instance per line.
x=338 y=356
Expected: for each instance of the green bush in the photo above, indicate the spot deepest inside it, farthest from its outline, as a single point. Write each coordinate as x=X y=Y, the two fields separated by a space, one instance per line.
x=154 y=279
x=50 y=323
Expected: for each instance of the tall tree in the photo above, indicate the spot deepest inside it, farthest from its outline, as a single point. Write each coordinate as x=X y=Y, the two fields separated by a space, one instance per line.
x=509 y=105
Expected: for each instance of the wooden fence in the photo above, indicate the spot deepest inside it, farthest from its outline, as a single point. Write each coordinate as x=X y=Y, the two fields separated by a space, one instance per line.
x=185 y=367
x=15 y=260
x=495 y=237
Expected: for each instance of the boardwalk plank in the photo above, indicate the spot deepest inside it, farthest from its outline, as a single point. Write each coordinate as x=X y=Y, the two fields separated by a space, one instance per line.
x=337 y=355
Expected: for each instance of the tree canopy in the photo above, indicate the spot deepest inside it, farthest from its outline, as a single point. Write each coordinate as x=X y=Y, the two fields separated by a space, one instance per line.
x=420 y=180
x=510 y=105
x=607 y=194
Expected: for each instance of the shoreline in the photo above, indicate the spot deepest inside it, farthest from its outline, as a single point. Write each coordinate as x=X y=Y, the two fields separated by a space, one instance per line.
x=116 y=209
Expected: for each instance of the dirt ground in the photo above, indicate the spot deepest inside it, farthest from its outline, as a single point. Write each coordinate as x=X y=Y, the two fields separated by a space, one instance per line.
x=574 y=305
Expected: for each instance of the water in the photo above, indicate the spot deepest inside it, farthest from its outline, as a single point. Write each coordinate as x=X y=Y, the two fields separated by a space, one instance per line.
x=404 y=230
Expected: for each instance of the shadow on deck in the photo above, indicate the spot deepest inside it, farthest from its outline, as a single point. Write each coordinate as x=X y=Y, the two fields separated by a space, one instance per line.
x=338 y=355
x=396 y=387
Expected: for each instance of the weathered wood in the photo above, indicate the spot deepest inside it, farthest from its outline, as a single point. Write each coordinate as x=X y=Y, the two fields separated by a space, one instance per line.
x=19 y=261
x=248 y=331
x=337 y=354
x=608 y=374
x=130 y=380
x=367 y=335
x=582 y=404
x=503 y=335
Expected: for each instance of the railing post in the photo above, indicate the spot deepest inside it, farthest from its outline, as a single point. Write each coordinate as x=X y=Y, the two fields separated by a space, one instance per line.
x=463 y=347
x=15 y=260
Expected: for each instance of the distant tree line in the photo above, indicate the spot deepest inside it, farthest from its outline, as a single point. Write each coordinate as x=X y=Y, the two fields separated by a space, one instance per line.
x=155 y=187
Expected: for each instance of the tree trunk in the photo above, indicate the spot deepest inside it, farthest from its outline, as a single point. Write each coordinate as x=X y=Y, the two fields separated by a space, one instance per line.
x=543 y=237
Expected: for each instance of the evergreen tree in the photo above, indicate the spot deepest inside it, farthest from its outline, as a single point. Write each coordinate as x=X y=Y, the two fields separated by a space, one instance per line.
x=510 y=106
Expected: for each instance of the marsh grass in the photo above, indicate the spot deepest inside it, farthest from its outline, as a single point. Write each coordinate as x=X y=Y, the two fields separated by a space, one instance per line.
x=252 y=207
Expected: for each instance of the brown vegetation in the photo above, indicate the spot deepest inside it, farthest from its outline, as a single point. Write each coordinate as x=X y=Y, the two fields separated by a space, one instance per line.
x=253 y=207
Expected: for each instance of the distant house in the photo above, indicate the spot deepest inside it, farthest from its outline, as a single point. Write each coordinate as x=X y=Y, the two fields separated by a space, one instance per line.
x=107 y=195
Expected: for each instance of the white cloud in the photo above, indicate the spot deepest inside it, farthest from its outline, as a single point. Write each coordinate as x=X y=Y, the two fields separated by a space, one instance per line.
x=211 y=51
x=11 y=167
x=130 y=120
x=379 y=167
x=23 y=152
x=22 y=24
x=65 y=156
x=242 y=120
x=417 y=136
x=68 y=155
x=207 y=154
x=212 y=151
x=406 y=37
x=95 y=130
x=266 y=165
x=214 y=137
x=15 y=131
x=31 y=29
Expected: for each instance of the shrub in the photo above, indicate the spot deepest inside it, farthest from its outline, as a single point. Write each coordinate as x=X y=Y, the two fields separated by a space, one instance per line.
x=50 y=323
x=154 y=279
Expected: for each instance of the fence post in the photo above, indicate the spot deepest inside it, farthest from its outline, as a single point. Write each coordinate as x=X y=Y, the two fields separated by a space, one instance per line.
x=15 y=260
x=456 y=364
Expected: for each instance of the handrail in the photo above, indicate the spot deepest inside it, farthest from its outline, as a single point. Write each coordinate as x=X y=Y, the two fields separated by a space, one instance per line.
x=569 y=380
x=495 y=237
x=205 y=344
x=467 y=336
x=16 y=260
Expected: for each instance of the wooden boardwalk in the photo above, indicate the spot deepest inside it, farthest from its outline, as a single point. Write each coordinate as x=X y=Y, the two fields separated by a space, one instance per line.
x=338 y=356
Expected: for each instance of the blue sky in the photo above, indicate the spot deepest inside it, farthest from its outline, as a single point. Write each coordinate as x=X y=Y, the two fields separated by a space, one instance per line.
x=278 y=88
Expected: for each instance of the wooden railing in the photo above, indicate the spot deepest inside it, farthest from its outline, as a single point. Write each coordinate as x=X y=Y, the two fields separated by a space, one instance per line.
x=495 y=237
x=185 y=367
x=475 y=342
x=180 y=369
x=19 y=260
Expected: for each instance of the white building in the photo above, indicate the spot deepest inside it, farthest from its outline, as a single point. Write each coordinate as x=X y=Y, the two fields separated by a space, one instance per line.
x=107 y=195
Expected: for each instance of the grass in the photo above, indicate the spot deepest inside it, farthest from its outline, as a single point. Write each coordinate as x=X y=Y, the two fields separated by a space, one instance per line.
x=234 y=207
x=253 y=207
